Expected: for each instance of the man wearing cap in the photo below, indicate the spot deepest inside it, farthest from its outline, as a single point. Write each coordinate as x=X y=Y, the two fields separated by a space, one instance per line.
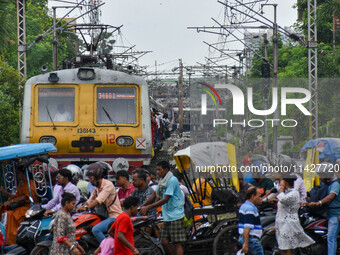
x=125 y=186
x=104 y=192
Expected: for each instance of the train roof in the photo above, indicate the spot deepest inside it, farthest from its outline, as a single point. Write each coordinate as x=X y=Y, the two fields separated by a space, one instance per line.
x=102 y=76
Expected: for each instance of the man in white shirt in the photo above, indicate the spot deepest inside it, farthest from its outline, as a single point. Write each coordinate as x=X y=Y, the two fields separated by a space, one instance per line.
x=62 y=115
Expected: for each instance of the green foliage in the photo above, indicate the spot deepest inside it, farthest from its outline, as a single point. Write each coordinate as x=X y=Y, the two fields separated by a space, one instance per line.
x=37 y=22
x=289 y=149
x=10 y=97
x=293 y=63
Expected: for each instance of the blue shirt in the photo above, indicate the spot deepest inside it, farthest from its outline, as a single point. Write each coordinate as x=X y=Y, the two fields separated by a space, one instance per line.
x=249 y=218
x=174 y=208
x=334 y=205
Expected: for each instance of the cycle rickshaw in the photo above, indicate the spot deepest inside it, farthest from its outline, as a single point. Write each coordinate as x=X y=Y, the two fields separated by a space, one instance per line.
x=316 y=151
x=210 y=173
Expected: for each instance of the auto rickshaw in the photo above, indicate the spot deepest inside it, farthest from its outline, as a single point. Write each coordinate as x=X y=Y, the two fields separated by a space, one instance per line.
x=316 y=151
x=30 y=158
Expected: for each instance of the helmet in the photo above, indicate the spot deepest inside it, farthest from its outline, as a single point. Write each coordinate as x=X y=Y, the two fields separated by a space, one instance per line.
x=84 y=169
x=76 y=172
x=95 y=170
x=106 y=168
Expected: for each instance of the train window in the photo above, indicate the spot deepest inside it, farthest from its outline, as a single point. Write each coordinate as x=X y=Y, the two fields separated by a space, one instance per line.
x=56 y=104
x=116 y=105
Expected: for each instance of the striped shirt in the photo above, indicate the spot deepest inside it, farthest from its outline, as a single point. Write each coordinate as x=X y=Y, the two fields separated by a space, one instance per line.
x=249 y=218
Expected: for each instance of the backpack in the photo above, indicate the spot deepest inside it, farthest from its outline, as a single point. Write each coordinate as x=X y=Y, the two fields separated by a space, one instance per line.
x=316 y=194
x=188 y=208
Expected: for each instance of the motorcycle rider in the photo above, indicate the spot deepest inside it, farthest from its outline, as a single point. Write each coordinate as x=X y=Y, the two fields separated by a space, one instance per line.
x=64 y=184
x=77 y=179
x=104 y=192
x=333 y=201
x=142 y=191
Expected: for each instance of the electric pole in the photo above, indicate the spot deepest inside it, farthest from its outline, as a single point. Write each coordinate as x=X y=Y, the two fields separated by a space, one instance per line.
x=276 y=113
x=275 y=66
x=21 y=35
x=312 y=69
x=55 y=42
x=266 y=86
x=180 y=96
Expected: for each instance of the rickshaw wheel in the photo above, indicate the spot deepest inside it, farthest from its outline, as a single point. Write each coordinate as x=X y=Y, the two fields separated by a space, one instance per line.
x=147 y=247
x=40 y=250
x=226 y=241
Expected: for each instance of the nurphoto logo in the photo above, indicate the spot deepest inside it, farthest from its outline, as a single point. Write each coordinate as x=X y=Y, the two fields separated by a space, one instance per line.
x=238 y=107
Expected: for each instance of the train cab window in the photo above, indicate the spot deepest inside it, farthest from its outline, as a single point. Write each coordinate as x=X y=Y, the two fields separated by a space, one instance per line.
x=116 y=105
x=56 y=104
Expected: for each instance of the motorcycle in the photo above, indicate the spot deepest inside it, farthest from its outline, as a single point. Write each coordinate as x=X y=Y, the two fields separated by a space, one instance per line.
x=84 y=224
x=315 y=227
x=145 y=243
x=34 y=228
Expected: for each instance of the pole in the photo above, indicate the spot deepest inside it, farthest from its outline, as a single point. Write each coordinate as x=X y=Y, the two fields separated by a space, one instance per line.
x=313 y=69
x=180 y=96
x=266 y=83
x=22 y=47
x=55 y=42
x=276 y=113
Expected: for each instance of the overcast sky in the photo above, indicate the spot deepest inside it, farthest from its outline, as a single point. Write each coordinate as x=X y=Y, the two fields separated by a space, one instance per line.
x=160 y=26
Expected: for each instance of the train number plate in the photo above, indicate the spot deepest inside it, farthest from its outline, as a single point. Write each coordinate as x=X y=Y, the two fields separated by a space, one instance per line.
x=86 y=130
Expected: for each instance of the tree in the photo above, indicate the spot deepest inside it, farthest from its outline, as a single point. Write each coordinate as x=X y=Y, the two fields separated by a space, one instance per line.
x=10 y=97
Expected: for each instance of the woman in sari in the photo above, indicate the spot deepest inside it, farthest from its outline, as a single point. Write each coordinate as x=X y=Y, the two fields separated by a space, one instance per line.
x=17 y=215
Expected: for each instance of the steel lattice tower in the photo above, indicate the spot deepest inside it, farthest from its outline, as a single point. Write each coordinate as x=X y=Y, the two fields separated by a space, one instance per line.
x=313 y=69
x=21 y=34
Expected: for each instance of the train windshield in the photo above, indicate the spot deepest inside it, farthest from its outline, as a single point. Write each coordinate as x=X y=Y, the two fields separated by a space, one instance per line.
x=116 y=105
x=56 y=104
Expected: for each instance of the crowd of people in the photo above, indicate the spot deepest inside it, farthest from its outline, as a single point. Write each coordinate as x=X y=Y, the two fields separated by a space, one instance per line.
x=160 y=126
x=143 y=189
x=291 y=195
x=145 y=192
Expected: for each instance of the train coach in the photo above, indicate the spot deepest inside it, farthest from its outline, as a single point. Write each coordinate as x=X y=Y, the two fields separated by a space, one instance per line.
x=89 y=114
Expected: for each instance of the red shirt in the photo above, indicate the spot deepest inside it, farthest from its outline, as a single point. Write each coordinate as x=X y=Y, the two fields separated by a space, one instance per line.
x=246 y=161
x=122 y=194
x=123 y=224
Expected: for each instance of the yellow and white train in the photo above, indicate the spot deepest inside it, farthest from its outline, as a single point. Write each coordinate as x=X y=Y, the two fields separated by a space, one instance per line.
x=89 y=114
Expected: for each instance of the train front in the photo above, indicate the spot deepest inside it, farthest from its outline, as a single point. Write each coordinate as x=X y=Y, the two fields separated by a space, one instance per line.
x=89 y=114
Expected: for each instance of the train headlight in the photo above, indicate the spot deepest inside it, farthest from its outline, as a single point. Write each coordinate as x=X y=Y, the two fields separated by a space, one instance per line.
x=86 y=74
x=124 y=141
x=48 y=139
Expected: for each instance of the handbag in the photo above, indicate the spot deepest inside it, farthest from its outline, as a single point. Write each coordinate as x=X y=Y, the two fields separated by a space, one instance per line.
x=101 y=209
x=15 y=205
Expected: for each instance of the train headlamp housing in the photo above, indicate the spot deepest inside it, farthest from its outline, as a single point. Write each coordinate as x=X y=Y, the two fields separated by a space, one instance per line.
x=48 y=139
x=86 y=74
x=53 y=77
x=124 y=141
